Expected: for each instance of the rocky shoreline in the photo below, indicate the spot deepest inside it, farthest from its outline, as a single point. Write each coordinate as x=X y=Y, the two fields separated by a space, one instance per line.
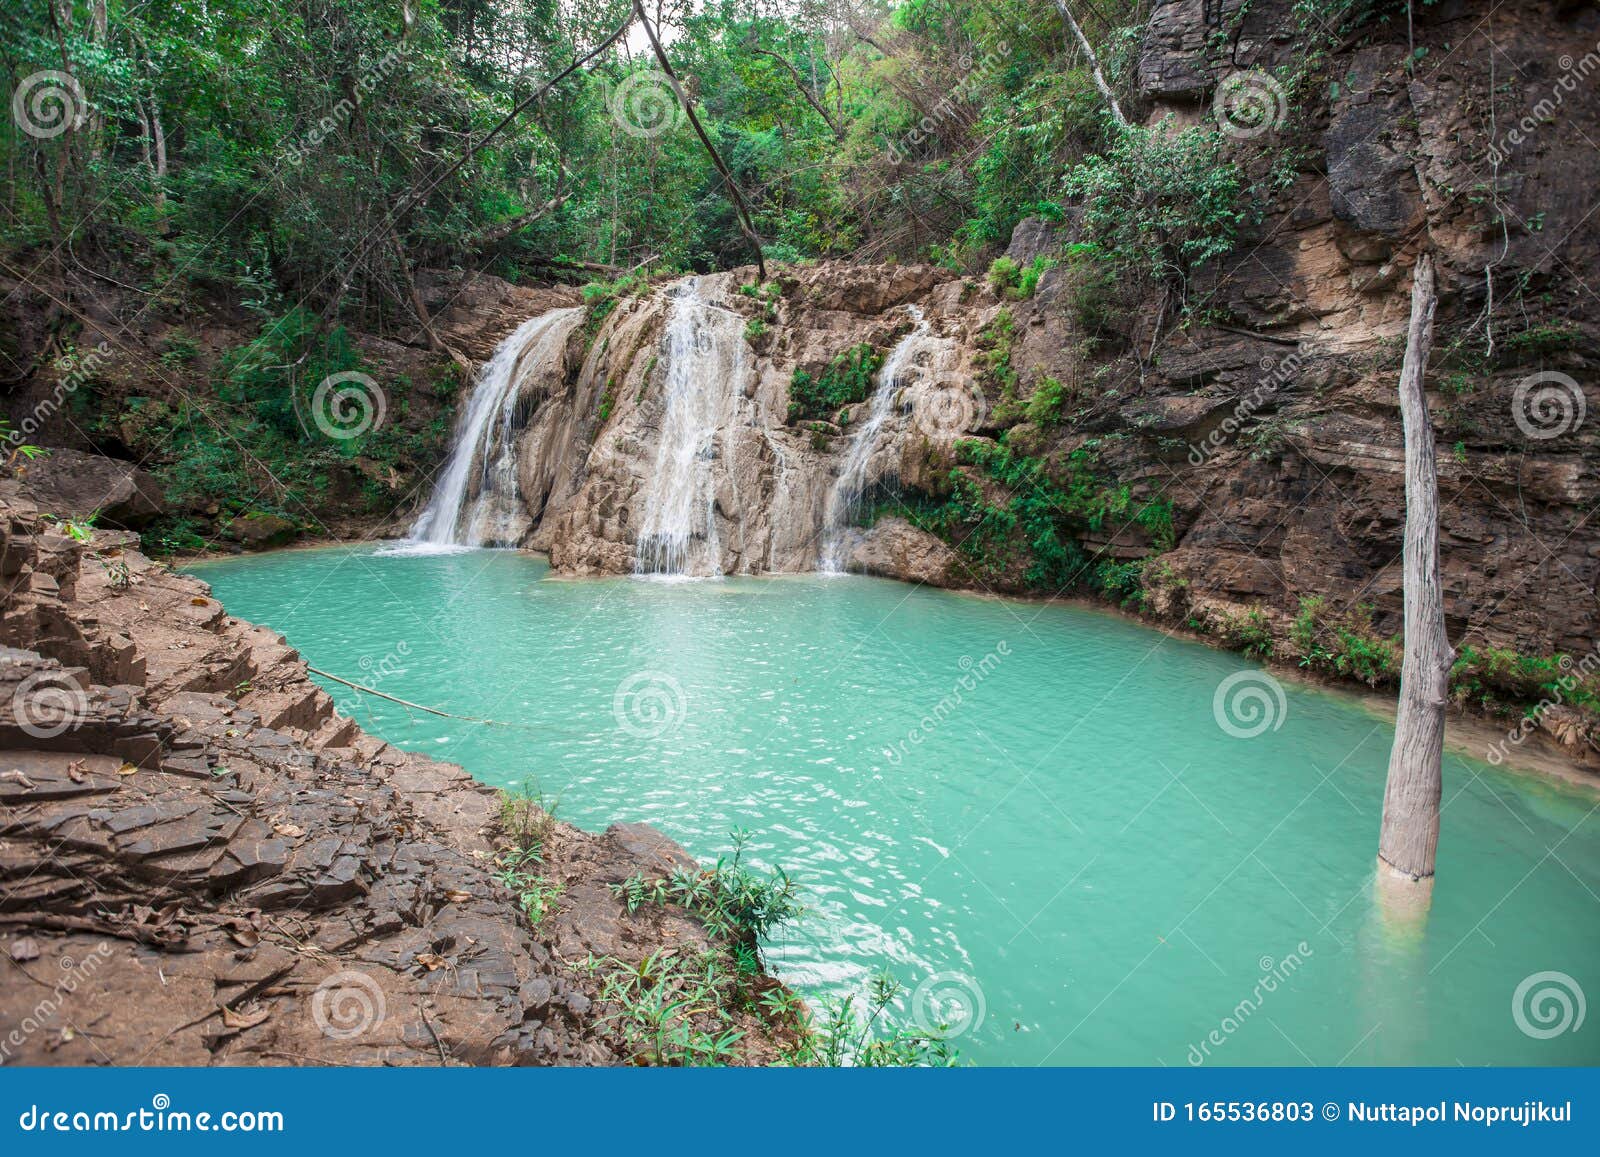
x=201 y=863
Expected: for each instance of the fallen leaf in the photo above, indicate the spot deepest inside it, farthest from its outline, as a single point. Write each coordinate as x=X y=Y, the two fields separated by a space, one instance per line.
x=244 y=1019
x=24 y=948
x=75 y=771
x=15 y=776
x=456 y=895
x=144 y=606
x=289 y=831
x=432 y=961
x=197 y=601
x=127 y=769
x=245 y=937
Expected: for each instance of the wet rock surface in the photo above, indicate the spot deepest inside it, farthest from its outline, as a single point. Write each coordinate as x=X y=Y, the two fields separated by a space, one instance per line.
x=200 y=863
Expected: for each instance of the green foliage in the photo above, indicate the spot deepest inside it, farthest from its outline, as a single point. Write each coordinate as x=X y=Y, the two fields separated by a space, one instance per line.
x=1344 y=642
x=601 y=297
x=1504 y=680
x=1161 y=200
x=844 y=1035
x=995 y=340
x=1036 y=530
x=527 y=820
x=1249 y=632
x=14 y=451
x=670 y=1008
x=846 y=381
x=1018 y=282
x=730 y=899
x=1004 y=274
x=1028 y=279
x=1046 y=402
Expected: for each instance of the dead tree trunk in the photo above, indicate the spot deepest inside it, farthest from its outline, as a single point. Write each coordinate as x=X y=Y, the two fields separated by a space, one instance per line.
x=810 y=98
x=1100 y=81
x=1410 y=834
x=742 y=210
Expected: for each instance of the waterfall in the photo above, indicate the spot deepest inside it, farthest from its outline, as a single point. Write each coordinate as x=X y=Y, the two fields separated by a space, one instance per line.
x=486 y=437
x=844 y=499
x=703 y=353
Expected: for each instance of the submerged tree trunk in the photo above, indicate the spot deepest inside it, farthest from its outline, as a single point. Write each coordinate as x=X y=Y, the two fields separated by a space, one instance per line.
x=1410 y=833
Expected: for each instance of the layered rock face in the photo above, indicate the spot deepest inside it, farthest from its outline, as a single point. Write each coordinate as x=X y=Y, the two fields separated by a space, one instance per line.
x=200 y=863
x=662 y=441
x=1268 y=419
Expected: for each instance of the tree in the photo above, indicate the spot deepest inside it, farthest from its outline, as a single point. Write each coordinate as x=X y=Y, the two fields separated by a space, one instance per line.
x=1410 y=834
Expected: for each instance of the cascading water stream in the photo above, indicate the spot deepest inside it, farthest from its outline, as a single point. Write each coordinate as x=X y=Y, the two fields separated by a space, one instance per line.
x=703 y=352
x=844 y=499
x=486 y=437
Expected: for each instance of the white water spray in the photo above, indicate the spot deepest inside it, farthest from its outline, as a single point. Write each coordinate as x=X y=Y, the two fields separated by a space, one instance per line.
x=486 y=439
x=703 y=352
x=844 y=499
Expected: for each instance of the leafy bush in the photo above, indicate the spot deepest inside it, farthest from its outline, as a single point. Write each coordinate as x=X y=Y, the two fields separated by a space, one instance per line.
x=1004 y=274
x=1161 y=200
x=1037 y=529
x=846 y=381
x=1028 y=282
x=730 y=899
x=1046 y=402
x=1504 y=680
x=1344 y=643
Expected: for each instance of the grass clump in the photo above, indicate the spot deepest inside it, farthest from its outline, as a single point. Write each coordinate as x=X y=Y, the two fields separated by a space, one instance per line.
x=527 y=821
x=732 y=901
x=842 y=1035
x=1344 y=642
x=669 y=1008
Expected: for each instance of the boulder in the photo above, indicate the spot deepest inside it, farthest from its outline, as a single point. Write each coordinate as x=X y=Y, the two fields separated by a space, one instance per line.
x=71 y=484
x=895 y=549
x=259 y=529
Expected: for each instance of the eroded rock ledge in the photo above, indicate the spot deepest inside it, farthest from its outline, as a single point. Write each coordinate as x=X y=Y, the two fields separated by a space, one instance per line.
x=200 y=863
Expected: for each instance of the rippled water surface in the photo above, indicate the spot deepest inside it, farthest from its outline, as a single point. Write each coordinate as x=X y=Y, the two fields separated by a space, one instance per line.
x=1028 y=812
